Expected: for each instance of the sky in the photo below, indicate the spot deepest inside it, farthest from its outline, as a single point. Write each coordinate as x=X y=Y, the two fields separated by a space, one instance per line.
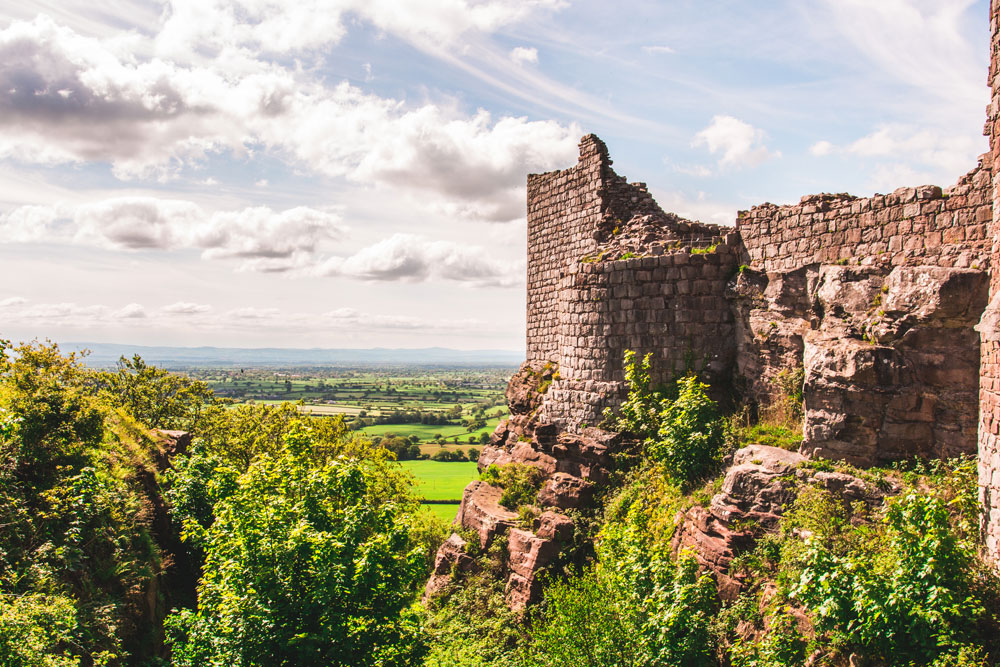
x=351 y=173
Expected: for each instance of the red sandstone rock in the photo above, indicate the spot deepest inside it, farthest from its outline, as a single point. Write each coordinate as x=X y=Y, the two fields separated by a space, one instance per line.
x=528 y=554
x=481 y=511
x=451 y=559
x=759 y=486
x=565 y=491
x=554 y=526
x=526 y=387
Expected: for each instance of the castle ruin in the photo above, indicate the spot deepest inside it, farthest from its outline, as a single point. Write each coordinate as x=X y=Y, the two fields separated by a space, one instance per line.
x=888 y=305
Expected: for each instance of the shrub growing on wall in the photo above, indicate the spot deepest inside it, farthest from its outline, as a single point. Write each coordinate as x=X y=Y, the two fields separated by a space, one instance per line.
x=682 y=431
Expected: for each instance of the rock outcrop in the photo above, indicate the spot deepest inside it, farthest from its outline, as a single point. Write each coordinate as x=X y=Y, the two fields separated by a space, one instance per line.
x=573 y=467
x=759 y=486
x=891 y=370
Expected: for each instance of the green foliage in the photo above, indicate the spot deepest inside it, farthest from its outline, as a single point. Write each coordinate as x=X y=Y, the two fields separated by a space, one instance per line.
x=906 y=597
x=639 y=412
x=705 y=251
x=195 y=483
x=446 y=456
x=472 y=626
x=36 y=631
x=155 y=397
x=636 y=605
x=52 y=419
x=594 y=621
x=76 y=550
x=691 y=435
x=583 y=623
x=782 y=646
x=519 y=482
x=240 y=434
x=772 y=435
x=683 y=432
x=308 y=562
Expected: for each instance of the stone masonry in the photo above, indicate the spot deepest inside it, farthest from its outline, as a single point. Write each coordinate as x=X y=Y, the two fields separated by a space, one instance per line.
x=989 y=327
x=870 y=297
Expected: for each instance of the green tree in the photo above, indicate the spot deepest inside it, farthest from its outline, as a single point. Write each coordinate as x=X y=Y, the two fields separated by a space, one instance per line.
x=310 y=561
x=155 y=397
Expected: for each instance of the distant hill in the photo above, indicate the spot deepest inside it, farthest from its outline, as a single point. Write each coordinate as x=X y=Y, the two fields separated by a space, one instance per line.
x=106 y=354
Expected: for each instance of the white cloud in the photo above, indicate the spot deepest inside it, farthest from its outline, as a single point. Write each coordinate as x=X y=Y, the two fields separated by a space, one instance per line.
x=656 y=50
x=251 y=313
x=12 y=301
x=76 y=99
x=741 y=144
x=413 y=259
x=945 y=151
x=185 y=308
x=698 y=170
x=54 y=316
x=132 y=311
x=821 y=148
x=305 y=25
x=523 y=54
x=282 y=239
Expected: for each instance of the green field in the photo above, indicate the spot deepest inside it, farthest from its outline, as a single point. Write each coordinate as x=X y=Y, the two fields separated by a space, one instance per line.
x=441 y=481
x=444 y=512
x=426 y=432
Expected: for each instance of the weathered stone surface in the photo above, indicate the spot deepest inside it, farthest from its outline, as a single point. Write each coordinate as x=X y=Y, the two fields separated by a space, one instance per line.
x=565 y=491
x=451 y=559
x=757 y=486
x=554 y=526
x=481 y=511
x=892 y=370
x=526 y=388
x=529 y=554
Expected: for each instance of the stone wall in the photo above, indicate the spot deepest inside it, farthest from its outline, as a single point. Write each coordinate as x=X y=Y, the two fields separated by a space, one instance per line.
x=989 y=327
x=921 y=225
x=563 y=210
x=672 y=306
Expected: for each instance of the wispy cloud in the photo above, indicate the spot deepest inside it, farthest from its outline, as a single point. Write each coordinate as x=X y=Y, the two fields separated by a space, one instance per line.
x=50 y=316
x=285 y=239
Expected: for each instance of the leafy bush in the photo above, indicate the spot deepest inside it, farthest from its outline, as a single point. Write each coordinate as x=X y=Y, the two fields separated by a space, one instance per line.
x=307 y=563
x=780 y=647
x=908 y=598
x=36 y=631
x=691 y=435
x=155 y=397
x=519 y=482
x=77 y=550
x=449 y=456
x=683 y=432
x=593 y=621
